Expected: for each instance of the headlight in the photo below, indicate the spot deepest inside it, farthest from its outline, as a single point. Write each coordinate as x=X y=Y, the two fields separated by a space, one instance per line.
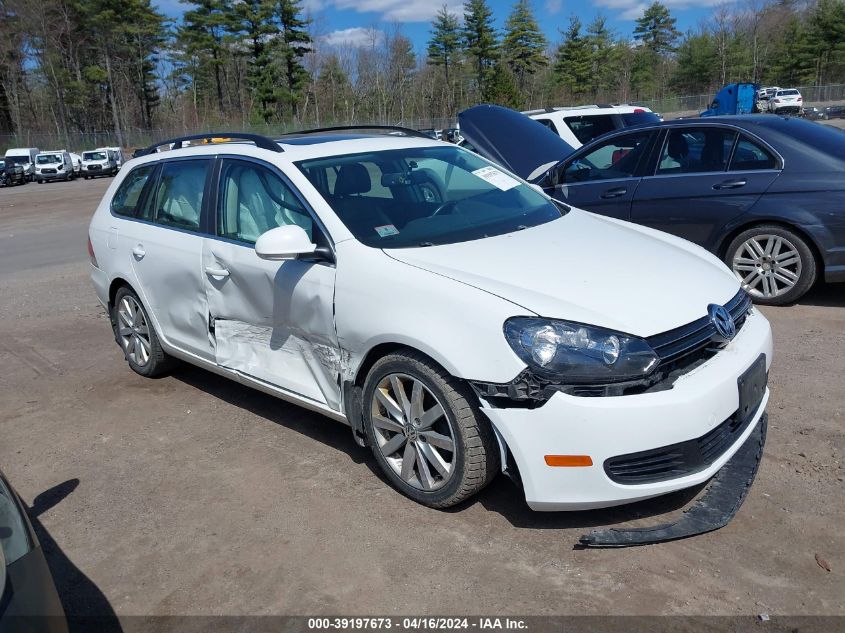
x=572 y=353
x=14 y=537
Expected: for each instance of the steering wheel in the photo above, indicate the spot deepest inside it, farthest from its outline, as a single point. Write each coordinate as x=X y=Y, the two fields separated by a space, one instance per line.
x=441 y=210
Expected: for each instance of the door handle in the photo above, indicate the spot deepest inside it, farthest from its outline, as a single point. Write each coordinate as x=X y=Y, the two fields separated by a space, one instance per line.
x=139 y=251
x=730 y=184
x=614 y=193
x=216 y=272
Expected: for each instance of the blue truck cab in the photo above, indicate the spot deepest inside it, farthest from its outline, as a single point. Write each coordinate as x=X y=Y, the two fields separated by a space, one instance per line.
x=738 y=98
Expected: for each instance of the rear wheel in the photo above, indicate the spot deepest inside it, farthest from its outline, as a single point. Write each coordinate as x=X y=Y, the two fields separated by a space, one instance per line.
x=137 y=337
x=775 y=265
x=427 y=435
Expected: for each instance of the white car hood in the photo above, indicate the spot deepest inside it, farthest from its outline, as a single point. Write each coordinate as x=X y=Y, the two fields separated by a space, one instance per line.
x=588 y=269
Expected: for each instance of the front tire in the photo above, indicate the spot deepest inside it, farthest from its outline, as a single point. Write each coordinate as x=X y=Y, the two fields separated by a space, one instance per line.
x=426 y=432
x=136 y=336
x=775 y=265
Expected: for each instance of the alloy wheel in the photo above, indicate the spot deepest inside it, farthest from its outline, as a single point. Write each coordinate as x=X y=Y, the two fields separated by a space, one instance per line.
x=413 y=432
x=767 y=265
x=133 y=330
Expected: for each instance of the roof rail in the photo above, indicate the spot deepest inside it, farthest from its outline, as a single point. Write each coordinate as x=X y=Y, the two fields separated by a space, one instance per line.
x=260 y=141
x=347 y=128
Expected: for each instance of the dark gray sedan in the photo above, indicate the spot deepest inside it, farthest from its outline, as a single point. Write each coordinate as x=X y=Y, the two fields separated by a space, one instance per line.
x=765 y=193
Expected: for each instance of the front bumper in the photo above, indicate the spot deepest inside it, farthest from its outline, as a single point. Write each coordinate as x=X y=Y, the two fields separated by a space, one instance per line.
x=62 y=175
x=605 y=427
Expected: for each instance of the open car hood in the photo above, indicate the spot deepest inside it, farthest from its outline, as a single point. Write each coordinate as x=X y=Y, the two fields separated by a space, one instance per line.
x=514 y=141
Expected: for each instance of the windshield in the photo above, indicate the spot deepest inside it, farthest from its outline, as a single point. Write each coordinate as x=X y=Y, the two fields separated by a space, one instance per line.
x=787 y=93
x=94 y=156
x=48 y=159
x=425 y=196
x=17 y=160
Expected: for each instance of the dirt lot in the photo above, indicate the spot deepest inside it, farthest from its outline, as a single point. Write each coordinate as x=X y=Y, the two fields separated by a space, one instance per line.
x=193 y=495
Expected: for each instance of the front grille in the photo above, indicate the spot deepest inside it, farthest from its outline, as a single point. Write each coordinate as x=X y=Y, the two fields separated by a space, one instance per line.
x=687 y=340
x=93 y=167
x=48 y=171
x=677 y=460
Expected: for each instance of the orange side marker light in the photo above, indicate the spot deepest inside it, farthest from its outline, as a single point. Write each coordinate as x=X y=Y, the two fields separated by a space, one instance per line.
x=569 y=460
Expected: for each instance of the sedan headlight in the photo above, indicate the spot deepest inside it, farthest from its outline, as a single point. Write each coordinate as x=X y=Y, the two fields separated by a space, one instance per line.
x=573 y=353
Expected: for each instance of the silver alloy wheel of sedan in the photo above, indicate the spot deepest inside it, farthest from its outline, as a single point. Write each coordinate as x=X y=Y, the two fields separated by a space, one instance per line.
x=413 y=432
x=768 y=265
x=133 y=330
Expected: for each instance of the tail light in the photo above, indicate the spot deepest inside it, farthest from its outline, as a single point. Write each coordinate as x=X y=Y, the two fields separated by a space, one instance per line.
x=800 y=98
x=639 y=111
x=777 y=100
x=91 y=254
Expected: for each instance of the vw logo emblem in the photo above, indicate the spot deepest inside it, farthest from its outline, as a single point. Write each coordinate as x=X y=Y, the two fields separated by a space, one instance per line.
x=722 y=321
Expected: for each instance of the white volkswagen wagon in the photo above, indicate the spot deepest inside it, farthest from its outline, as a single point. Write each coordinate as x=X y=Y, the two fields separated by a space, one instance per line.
x=460 y=321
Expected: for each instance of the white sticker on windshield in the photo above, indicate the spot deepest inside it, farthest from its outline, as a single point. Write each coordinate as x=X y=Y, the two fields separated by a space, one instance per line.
x=387 y=230
x=498 y=179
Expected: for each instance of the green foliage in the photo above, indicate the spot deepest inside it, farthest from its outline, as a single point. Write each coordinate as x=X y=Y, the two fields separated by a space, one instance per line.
x=481 y=42
x=444 y=47
x=697 y=62
x=523 y=45
x=574 y=60
x=656 y=29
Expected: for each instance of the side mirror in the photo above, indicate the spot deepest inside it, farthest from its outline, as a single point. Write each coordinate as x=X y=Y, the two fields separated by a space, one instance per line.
x=283 y=243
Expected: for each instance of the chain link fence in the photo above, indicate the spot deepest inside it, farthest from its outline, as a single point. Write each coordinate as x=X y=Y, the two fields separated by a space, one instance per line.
x=133 y=138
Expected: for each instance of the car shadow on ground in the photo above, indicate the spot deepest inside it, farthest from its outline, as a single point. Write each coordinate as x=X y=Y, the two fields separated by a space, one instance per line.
x=825 y=295
x=502 y=496
x=85 y=605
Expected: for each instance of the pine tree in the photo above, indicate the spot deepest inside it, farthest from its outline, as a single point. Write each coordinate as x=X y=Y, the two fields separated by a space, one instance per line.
x=503 y=89
x=481 y=42
x=202 y=34
x=604 y=71
x=445 y=44
x=697 y=63
x=656 y=29
x=296 y=42
x=252 y=20
x=523 y=45
x=573 y=65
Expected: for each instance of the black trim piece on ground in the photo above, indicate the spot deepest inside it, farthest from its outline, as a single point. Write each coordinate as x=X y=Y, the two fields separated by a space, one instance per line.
x=722 y=499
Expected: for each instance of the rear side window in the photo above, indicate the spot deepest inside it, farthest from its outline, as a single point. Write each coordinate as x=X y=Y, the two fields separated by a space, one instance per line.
x=587 y=127
x=128 y=196
x=748 y=155
x=549 y=124
x=638 y=118
x=178 y=199
x=696 y=150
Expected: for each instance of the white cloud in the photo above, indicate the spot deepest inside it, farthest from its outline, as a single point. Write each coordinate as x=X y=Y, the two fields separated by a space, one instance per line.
x=355 y=36
x=553 y=6
x=399 y=10
x=633 y=9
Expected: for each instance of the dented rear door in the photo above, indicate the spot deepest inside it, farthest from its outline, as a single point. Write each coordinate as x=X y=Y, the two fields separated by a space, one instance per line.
x=273 y=321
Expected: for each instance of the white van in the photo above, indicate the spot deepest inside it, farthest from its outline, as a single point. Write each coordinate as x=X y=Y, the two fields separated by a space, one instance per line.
x=25 y=157
x=118 y=155
x=99 y=162
x=54 y=165
x=76 y=159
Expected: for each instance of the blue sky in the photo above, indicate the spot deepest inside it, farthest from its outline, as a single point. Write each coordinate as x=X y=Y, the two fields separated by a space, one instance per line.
x=351 y=22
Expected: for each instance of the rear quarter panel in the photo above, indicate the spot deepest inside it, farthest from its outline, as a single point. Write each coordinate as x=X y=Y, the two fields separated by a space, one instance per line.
x=812 y=203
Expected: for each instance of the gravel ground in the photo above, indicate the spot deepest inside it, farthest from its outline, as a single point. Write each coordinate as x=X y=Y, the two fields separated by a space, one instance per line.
x=193 y=495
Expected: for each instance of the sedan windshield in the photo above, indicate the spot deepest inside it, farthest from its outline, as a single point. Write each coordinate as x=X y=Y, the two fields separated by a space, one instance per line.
x=425 y=196
x=94 y=156
x=48 y=159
